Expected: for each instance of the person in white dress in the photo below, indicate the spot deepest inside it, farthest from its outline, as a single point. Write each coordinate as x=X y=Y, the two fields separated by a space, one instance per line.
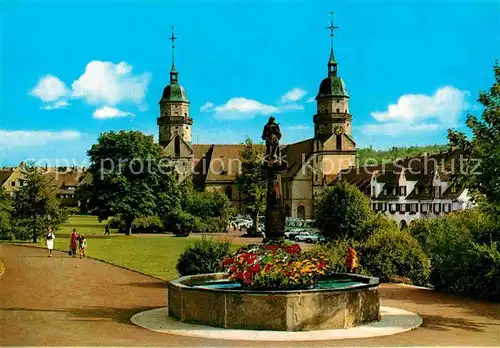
x=50 y=240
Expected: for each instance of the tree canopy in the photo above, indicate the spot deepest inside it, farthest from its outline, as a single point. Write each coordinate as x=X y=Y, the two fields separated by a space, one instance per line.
x=130 y=178
x=252 y=181
x=5 y=214
x=36 y=206
x=482 y=152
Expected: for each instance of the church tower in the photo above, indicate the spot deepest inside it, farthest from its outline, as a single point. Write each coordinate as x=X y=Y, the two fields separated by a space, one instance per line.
x=175 y=124
x=332 y=114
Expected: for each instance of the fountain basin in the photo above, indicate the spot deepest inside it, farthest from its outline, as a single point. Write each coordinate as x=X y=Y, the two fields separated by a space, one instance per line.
x=339 y=301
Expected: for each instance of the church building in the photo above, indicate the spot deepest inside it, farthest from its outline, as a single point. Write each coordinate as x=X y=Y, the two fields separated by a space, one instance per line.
x=309 y=162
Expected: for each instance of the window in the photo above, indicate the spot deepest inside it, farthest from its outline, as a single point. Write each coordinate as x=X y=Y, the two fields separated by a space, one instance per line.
x=446 y=207
x=301 y=212
x=424 y=208
x=385 y=192
x=13 y=183
x=316 y=178
x=398 y=207
x=177 y=146
x=408 y=207
x=417 y=190
x=437 y=208
x=338 y=111
x=373 y=191
x=339 y=142
x=287 y=210
x=229 y=191
x=380 y=206
x=393 y=191
x=453 y=189
x=402 y=190
x=392 y=208
x=427 y=190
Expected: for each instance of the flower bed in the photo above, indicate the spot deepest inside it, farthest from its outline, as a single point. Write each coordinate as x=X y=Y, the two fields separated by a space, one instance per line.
x=277 y=265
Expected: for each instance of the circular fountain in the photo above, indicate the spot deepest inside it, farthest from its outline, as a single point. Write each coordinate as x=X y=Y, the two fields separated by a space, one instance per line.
x=338 y=301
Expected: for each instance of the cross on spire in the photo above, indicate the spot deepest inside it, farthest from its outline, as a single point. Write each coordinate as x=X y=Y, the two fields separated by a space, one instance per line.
x=173 y=38
x=331 y=27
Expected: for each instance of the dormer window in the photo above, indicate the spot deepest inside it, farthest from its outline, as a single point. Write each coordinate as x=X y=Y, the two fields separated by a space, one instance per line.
x=453 y=189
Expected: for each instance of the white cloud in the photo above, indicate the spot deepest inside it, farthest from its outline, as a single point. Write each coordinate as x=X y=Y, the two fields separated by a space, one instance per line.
x=417 y=113
x=106 y=83
x=57 y=105
x=21 y=138
x=50 y=89
x=293 y=95
x=240 y=108
x=446 y=105
x=300 y=127
x=107 y=112
x=208 y=106
x=311 y=100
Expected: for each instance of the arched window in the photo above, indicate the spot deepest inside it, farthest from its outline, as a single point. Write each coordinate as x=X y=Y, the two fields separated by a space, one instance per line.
x=229 y=191
x=403 y=224
x=339 y=142
x=301 y=212
x=177 y=146
x=287 y=210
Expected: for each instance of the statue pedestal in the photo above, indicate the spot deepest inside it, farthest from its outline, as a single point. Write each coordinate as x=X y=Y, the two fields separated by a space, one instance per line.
x=275 y=212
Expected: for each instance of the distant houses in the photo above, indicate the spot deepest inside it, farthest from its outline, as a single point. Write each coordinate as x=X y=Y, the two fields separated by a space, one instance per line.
x=412 y=188
x=64 y=180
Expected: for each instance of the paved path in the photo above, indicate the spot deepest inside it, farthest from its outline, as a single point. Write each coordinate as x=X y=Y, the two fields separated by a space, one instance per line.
x=61 y=301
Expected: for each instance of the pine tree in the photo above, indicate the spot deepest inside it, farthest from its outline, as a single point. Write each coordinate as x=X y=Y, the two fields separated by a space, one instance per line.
x=36 y=206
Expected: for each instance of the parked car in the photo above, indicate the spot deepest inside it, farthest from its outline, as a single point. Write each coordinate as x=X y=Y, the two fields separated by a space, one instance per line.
x=309 y=237
x=293 y=232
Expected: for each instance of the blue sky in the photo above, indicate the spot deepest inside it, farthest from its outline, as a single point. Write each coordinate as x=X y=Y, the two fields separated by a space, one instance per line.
x=71 y=70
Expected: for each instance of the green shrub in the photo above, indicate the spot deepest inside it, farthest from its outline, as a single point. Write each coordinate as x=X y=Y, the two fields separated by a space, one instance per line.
x=336 y=251
x=394 y=255
x=148 y=224
x=204 y=256
x=461 y=262
x=342 y=212
x=115 y=222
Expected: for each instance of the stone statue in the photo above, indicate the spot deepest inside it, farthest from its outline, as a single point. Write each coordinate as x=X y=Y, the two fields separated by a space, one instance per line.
x=272 y=135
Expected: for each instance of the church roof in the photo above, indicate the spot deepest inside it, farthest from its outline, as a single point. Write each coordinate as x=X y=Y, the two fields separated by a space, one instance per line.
x=293 y=156
x=174 y=93
x=332 y=86
x=5 y=174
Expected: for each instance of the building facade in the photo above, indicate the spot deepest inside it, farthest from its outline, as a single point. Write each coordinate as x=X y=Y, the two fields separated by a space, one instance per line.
x=216 y=166
x=419 y=187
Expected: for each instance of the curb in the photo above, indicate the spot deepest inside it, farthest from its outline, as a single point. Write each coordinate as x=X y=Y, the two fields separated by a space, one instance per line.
x=92 y=258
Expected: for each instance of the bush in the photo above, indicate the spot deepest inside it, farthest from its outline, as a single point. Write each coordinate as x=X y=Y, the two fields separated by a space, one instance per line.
x=461 y=264
x=342 y=212
x=147 y=224
x=336 y=251
x=394 y=255
x=204 y=256
x=115 y=222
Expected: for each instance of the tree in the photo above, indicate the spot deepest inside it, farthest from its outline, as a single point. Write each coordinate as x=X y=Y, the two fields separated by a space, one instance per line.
x=252 y=181
x=129 y=178
x=484 y=148
x=5 y=215
x=342 y=212
x=36 y=206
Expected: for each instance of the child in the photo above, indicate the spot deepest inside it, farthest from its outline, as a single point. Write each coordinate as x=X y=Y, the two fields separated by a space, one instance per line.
x=82 y=243
x=351 y=260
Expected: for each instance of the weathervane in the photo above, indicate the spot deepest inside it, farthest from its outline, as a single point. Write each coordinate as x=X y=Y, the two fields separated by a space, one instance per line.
x=173 y=38
x=331 y=27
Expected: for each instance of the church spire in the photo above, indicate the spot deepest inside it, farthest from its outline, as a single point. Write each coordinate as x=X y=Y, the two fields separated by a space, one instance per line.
x=173 y=71
x=332 y=63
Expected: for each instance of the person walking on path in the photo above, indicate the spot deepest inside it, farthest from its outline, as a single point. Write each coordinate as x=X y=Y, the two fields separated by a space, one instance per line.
x=351 y=260
x=50 y=240
x=106 y=230
x=73 y=244
x=82 y=244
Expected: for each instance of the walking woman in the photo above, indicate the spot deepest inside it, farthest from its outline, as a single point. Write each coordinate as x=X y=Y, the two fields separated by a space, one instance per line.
x=73 y=244
x=351 y=260
x=50 y=240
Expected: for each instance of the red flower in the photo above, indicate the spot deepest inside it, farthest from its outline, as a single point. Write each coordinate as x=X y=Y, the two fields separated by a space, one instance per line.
x=271 y=247
x=293 y=249
x=247 y=278
x=233 y=269
x=254 y=268
x=239 y=275
x=268 y=267
x=228 y=261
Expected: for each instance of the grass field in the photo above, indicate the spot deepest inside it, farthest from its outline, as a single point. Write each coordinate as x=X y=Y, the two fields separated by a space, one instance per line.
x=151 y=254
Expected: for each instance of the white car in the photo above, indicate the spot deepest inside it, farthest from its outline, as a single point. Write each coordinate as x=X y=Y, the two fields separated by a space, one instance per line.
x=309 y=237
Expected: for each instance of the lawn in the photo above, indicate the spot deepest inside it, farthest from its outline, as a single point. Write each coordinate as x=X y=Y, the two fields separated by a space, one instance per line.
x=155 y=255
